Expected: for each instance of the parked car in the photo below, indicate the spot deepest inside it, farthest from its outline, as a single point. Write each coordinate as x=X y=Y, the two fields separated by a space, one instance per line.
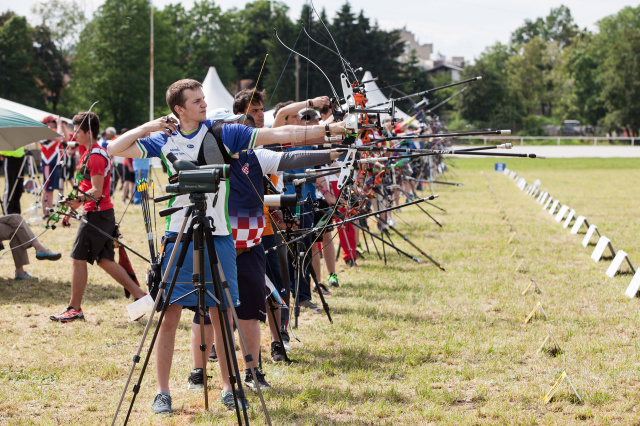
x=572 y=128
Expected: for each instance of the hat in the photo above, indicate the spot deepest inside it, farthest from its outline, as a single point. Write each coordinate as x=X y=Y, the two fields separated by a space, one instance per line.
x=48 y=118
x=223 y=114
x=308 y=114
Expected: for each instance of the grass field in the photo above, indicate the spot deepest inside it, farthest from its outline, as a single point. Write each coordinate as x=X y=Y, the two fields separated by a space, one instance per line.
x=409 y=344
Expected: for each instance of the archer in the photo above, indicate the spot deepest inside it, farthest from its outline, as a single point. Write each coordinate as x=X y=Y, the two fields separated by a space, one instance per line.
x=94 y=180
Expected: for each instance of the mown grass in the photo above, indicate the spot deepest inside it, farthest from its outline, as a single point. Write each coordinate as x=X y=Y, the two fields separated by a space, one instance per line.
x=409 y=344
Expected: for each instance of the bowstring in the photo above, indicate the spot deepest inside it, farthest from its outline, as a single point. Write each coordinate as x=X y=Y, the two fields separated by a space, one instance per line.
x=264 y=205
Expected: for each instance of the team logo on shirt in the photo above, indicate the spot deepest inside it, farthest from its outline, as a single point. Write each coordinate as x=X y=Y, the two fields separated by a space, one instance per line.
x=245 y=168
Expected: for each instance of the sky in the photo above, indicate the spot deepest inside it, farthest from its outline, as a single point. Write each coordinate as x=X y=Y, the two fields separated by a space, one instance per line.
x=455 y=28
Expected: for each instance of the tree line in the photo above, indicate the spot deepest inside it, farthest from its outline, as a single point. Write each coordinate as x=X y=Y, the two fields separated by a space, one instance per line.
x=550 y=70
x=108 y=60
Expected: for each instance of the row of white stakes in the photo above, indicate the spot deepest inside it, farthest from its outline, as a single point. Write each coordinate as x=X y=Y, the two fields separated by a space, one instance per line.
x=564 y=213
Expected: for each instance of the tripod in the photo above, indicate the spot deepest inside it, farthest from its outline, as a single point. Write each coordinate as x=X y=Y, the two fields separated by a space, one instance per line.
x=28 y=164
x=199 y=232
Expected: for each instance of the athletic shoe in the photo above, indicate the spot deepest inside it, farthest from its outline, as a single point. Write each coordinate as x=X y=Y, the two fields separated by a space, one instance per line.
x=24 y=276
x=324 y=289
x=277 y=354
x=248 y=379
x=213 y=356
x=46 y=254
x=333 y=280
x=196 y=380
x=285 y=340
x=349 y=262
x=228 y=401
x=310 y=305
x=67 y=316
x=162 y=403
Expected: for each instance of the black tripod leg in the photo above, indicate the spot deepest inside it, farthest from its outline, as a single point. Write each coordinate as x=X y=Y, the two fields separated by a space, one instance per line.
x=296 y=271
x=366 y=244
x=417 y=248
x=163 y=284
x=225 y=329
x=223 y=286
x=386 y=233
x=374 y=236
x=273 y=309
x=432 y=218
x=384 y=250
x=319 y=290
x=199 y=279
x=373 y=241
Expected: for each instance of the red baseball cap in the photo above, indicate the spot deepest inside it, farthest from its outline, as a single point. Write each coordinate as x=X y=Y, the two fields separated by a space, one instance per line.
x=48 y=118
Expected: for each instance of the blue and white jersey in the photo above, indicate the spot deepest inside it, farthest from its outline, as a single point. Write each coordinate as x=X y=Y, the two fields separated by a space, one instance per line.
x=235 y=138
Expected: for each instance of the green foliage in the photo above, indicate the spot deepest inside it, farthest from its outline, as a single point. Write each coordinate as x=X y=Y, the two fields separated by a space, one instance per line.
x=490 y=103
x=112 y=72
x=32 y=68
x=51 y=66
x=64 y=18
x=17 y=62
x=620 y=68
x=554 y=70
x=558 y=26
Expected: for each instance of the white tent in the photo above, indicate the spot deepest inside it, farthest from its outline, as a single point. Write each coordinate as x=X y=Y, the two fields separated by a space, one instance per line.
x=215 y=94
x=32 y=113
x=375 y=96
x=269 y=117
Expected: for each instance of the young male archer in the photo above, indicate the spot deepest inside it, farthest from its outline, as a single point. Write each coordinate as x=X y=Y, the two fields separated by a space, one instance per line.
x=183 y=138
x=94 y=182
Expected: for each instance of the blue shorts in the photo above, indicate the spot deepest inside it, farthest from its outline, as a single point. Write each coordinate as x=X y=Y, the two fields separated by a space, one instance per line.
x=54 y=178
x=226 y=251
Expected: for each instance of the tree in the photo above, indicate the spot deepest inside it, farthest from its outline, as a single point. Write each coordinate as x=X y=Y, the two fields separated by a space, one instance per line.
x=111 y=71
x=489 y=102
x=558 y=26
x=619 y=40
x=17 y=65
x=203 y=38
x=51 y=66
x=65 y=19
x=255 y=31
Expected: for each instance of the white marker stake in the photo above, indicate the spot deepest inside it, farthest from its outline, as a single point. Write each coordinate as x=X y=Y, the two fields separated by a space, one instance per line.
x=543 y=198
x=603 y=242
x=617 y=262
x=587 y=237
x=632 y=290
x=563 y=210
x=571 y=215
x=552 y=210
x=576 y=226
x=549 y=200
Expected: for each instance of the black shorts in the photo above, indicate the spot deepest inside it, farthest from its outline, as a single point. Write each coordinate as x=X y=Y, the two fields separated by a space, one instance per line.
x=129 y=176
x=251 y=284
x=90 y=244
